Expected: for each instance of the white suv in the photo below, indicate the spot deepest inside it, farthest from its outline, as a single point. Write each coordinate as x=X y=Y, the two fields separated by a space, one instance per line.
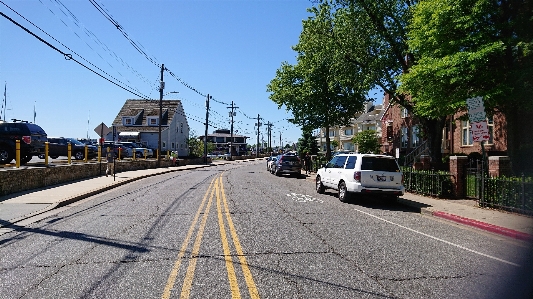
x=361 y=173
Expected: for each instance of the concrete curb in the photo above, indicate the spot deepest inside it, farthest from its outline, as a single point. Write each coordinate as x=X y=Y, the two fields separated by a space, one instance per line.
x=485 y=226
x=430 y=211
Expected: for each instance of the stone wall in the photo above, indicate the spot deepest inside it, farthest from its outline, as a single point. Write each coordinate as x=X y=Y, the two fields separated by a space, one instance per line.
x=26 y=178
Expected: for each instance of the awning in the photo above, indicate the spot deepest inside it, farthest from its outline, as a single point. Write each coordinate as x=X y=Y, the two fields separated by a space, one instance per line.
x=129 y=134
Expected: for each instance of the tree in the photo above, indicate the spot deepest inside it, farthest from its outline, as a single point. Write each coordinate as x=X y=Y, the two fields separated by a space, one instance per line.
x=315 y=90
x=307 y=144
x=372 y=38
x=472 y=48
x=367 y=142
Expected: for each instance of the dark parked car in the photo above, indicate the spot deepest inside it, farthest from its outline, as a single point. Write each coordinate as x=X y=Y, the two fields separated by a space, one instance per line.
x=287 y=163
x=58 y=146
x=31 y=136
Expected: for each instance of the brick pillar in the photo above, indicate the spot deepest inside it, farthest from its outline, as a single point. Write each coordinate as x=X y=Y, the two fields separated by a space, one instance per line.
x=499 y=166
x=457 y=170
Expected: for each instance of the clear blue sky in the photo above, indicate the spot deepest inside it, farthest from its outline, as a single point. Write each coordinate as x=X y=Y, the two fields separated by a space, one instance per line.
x=229 y=49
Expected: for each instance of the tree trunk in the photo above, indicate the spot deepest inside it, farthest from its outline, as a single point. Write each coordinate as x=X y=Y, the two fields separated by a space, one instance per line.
x=433 y=133
x=520 y=140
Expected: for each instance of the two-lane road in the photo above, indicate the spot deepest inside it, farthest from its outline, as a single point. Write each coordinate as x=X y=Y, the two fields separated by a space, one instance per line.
x=236 y=231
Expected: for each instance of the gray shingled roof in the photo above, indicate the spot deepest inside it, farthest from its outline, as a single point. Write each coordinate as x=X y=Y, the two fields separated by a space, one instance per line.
x=140 y=110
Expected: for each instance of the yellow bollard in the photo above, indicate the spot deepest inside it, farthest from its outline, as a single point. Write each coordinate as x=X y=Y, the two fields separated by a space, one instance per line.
x=133 y=154
x=119 y=152
x=17 y=154
x=46 y=153
x=145 y=153
x=69 y=152
x=86 y=153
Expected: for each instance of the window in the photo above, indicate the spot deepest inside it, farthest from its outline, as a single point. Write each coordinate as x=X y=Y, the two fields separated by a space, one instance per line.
x=466 y=137
x=415 y=140
x=351 y=162
x=164 y=144
x=490 y=125
x=172 y=145
x=348 y=132
x=127 y=121
x=181 y=127
x=332 y=133
x=404 y=112
x=405 y=137
x=153 y=121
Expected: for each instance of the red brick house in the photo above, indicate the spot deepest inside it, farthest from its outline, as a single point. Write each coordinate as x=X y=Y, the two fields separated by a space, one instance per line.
x=400 y=131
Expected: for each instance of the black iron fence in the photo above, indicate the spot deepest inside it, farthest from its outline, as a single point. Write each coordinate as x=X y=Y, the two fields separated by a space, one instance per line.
x=428 y=182
x=513 y=194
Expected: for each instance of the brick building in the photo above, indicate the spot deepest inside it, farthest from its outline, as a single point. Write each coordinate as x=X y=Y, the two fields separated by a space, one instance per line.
x=401 y=131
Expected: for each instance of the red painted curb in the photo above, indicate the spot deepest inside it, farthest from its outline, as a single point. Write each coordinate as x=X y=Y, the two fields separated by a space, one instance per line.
x=485 y=226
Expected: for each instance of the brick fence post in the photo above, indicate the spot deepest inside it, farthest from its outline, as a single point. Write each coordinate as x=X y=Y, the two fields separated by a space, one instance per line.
x=499 y=166
x=457 y=170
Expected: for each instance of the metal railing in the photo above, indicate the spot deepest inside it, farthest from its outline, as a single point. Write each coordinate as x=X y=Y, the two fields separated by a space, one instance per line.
x=427 y=182
x=410 y=158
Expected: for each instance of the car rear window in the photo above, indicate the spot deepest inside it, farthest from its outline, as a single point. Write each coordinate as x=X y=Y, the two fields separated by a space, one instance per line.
x=379 y=164
x=290 y=158
x=35 y=129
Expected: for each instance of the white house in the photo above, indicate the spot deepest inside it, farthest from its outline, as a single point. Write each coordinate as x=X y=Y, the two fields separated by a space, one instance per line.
x=138 y=121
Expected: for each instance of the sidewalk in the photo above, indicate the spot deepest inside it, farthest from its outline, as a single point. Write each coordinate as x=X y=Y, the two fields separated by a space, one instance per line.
x=20 y=206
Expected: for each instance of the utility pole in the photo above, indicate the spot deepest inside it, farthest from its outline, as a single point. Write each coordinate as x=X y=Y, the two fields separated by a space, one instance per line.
x=258 y=125
x=206 y=126
x=161 y=87
x=231 y=114
x=269 y=135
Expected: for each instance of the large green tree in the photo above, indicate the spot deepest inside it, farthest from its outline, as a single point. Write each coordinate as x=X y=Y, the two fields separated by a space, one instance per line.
x=367 y=142
x=317 y=89
x=307 y=143
x=373 y=37
x=472 y=48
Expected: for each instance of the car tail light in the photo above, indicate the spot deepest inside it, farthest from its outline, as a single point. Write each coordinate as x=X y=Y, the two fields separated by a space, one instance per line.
x=357 y=176
x=26 y=139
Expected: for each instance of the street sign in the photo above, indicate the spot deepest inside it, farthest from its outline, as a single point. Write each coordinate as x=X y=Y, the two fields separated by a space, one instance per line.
x=479 y=131
x=102 y=130
x=476 y=110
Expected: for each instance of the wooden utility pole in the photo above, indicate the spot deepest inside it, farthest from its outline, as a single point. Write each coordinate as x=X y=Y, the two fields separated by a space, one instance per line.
x=206 y=126
x=231 y=114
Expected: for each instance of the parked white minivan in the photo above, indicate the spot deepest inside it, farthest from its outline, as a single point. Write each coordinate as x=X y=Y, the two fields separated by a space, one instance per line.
x=361 y=173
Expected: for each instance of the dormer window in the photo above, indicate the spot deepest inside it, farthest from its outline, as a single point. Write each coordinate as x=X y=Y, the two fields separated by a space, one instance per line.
x=153 y=121
x=127 y=121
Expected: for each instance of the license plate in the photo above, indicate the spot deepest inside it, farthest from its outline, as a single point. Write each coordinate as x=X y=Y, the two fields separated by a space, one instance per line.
x=382 y=178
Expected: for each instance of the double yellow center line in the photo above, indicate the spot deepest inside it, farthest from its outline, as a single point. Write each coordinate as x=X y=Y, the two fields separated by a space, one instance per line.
x=216 y=188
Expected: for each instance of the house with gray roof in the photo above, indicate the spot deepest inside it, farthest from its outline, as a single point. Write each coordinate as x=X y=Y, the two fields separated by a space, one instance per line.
x=138 y=121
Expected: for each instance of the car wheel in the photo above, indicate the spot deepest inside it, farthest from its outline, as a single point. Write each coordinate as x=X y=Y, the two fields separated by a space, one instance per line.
x=78 y=156
x=344 y=196
x=41 y=156
x=138 y=155
x=5 y=155
x=276 y=172
x=319 y=186
x=54 y=157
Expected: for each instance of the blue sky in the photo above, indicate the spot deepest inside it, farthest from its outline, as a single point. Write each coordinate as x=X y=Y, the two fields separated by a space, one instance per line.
x=229 y=49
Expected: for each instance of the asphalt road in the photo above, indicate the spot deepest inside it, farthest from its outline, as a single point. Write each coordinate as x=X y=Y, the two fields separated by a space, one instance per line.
x=237 y=231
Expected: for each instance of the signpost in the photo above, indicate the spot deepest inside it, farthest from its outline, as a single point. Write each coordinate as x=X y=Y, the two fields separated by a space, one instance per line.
x=102 y=130
x=478 y=128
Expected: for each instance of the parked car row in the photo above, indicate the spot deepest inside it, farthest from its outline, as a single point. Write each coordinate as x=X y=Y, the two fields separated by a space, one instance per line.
x=33 y=138
x=288 y=163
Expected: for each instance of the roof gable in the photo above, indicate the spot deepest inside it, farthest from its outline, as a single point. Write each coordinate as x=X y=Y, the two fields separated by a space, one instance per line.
x=140 y=110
